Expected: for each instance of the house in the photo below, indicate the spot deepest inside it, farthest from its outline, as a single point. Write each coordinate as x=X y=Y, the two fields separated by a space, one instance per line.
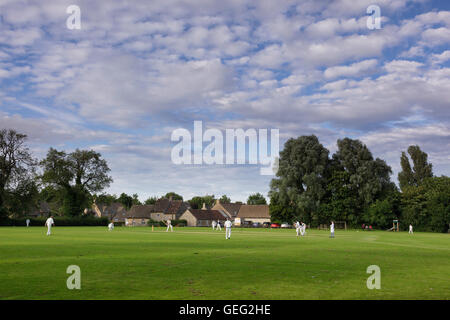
x=230 y=209
x=168 y=209
x=202 y=217
x=252 y=213
x=115 y=211
x=139 y=215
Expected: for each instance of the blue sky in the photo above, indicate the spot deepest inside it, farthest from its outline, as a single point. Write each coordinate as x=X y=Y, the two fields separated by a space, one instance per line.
x=137 y=71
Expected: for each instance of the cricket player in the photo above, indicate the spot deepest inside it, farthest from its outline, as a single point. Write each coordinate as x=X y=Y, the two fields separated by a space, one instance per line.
x=169 y=225
x=218 y=225
x=214 y=225
x=227 y=229
x=297 y=228
x=332 y=229
x=303 y=229
x=48 y=223
x=28 y=222
x=411 y=229
x=110 y=226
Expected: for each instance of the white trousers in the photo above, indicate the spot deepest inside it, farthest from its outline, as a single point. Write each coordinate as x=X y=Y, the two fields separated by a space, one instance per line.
x=298 y=231
x=302 y=231
x=49 y=230
x=169 y=226
x=227 y=233
x=218 y=227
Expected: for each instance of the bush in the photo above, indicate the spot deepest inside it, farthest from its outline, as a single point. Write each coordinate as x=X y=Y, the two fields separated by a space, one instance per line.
x=59 y=221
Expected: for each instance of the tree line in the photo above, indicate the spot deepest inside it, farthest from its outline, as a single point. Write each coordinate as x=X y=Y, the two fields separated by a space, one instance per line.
x=69 y=182
x=353 y=186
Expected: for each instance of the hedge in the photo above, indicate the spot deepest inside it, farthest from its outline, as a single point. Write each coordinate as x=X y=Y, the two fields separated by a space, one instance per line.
x=175 y=223
x=59 y=221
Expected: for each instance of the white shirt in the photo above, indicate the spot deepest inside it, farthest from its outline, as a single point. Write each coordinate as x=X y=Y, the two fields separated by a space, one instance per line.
x=49 y=222
x=228 y=224
x=297 y=224
x=169 y=222
x=110 y=225
x=332 y=227
x=410 y=227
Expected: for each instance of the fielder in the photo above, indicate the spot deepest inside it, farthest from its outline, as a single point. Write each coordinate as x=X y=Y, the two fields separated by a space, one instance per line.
x=28 y=222
x=214 y=225
x=227 y=229
x=169 y=225
x=303 y=229
x=332 y=229
x=297 y=228
x=49 y=224
x=110 y=226
x=411 y=229
x=218 y=225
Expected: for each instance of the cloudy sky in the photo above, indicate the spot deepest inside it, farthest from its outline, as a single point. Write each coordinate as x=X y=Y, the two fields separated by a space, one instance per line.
x=136 y=71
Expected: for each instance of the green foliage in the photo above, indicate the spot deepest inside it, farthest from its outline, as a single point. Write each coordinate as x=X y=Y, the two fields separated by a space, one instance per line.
x=413 y=177
x=175 y=223
x=125 y=200
x=256 y=198
x=151 y=200
x=427 y=206
x=174 y=196
x=105 y=198
x=225 y=199
x=197 y=202
x=75 y=175
x=17 y=166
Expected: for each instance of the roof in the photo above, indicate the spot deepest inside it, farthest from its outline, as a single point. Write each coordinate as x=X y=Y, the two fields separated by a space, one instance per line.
x=115 y=209
x=140 y=211
x=254 y=211
x=200 y=214
x=176 y=207
x=232 y=208
x=161 y=205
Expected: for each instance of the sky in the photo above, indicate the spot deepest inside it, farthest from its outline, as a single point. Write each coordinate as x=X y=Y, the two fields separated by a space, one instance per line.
x=136 y=71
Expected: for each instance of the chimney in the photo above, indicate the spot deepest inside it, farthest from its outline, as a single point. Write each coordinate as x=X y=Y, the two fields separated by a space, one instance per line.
x=170 y=198
x=204 y=206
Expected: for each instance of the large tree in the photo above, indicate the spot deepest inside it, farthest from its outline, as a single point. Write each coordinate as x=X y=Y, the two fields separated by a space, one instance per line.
x=368 y=178
x=301 y=181
x=421 y=170
x=77 y=174
x=173 y=195
x=16 y=169
x=197 y=202
x=256 y=198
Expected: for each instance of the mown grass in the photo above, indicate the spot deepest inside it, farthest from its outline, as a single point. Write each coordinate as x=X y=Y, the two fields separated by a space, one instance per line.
x=198 y=263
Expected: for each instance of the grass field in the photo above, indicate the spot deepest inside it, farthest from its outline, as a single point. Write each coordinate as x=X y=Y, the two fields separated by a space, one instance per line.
x=198 y=263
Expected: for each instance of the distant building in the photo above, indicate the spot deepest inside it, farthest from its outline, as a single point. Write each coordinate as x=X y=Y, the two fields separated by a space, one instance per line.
x=168 y=209
x=139 y=215
x=230 y=209
x=115 y=211
x=252 y=213
x=202 y=217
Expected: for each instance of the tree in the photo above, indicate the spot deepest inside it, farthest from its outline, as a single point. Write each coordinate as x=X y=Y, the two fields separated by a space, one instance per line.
x=301 y=176
x=105 y=198
x=77 y=174
x=224 y=199
x=16 y=167
x=197 y=202
x=368 y=179
x=151 y=200
x=256 y=198
x=420 y=171
x=125 y=200
x=135 y=200
x=174 y=196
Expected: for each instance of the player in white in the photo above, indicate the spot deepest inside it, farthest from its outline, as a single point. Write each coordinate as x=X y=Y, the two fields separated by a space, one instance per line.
x=214 y=223
x=227 y=229
x=110 y=226
x=28 y=222
x=332 y=229
x=303 y=229
x=48 y=223
x=218 y=225
x=169 y=225
x=411 y=229
x=297 y=228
